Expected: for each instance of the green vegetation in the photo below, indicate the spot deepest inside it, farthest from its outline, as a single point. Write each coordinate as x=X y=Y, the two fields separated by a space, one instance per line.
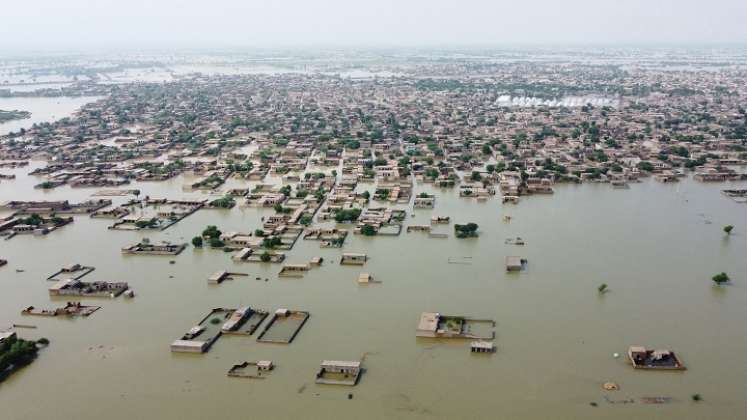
x=216 y=243
x=728 y=229
x=47 y=185
x=197 y=241
x=696 y=397
x=271 y=243
x=305 y=220
x=602 y=289
x=646 y=166
x=215 y=321
x=282 y=210
x=382 y=194
x=347 y=215
x=265 y=257
x=33 y=220
x=368 y=230
x=211 y=232
x=690 y=164
x=223 y=203
x=16 y=353
x=721 y=278
x=466 y=231
x=147 y=224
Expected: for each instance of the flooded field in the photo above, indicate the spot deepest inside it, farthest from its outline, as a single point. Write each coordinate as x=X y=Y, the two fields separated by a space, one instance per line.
x=655 y=245
x=41 y=109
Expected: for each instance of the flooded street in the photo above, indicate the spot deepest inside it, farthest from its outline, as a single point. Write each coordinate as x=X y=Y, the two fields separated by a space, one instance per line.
x=655 y=245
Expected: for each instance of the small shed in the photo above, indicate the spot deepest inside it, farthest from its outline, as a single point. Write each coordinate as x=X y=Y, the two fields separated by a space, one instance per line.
x=482 y=347
x=265 y=365
x=350 y=258
x=514 y=263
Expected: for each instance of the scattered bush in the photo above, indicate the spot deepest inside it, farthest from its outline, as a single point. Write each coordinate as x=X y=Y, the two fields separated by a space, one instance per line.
x=368 y=230
x=347 y=215
x=721 y=278
x=211 y=232
x=466 y=231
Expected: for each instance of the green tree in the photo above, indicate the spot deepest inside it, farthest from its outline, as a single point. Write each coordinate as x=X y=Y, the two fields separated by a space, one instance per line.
x=347 y=215
x=223 y=203
x=33 y=220
x=197 y=241
x=368 y=230
x=721 y=278
x=211 y=232
x=728 y=229
x=466 y=231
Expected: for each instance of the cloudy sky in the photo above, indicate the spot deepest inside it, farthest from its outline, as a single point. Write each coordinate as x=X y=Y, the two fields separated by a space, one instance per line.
x=250 y=23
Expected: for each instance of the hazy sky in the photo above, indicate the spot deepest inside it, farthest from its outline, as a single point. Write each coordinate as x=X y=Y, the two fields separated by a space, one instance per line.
x=236 y=23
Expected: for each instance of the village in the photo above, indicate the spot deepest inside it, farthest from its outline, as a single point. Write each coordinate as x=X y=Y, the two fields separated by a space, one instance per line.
x=330 y=160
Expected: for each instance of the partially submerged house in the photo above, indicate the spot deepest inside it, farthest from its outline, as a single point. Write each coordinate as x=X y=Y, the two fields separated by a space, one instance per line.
x=72 y=287
x=338 y=372
x=642 y=358
x=283 y=327
x=70 y=309
x=436 y=325
x=514 y=263
x=294 y=270
x=350 y=258
x=143 y=248
x=252 y=370
x=200 y=337
x=482 y=347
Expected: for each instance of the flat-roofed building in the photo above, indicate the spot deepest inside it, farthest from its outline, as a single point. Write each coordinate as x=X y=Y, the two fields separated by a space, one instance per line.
x=428 y=324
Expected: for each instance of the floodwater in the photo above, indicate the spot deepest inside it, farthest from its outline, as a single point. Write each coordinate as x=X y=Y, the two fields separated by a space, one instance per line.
x=655 y=245
x=41 y=109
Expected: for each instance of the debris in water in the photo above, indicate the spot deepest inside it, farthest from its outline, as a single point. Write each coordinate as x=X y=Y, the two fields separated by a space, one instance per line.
x=656 y=400
x=611 y=386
